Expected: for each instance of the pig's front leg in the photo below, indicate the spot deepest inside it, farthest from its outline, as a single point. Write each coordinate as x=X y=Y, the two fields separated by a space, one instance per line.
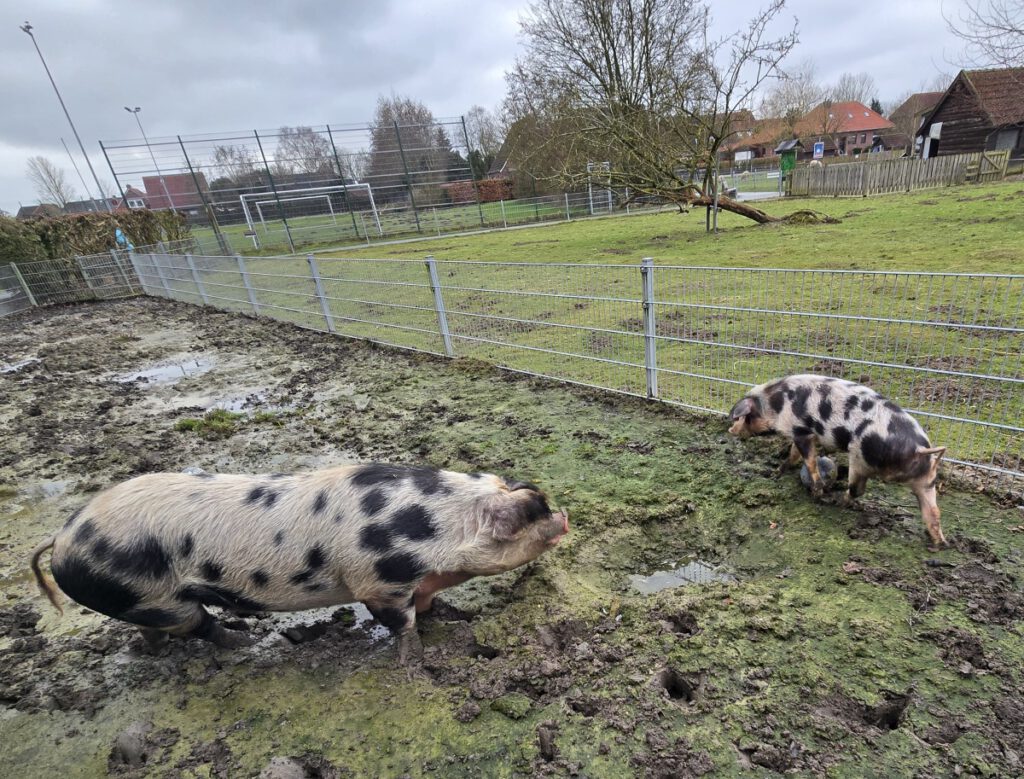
x=399 y=616
x=791 y=460
x=433 y=583
x=806 y=447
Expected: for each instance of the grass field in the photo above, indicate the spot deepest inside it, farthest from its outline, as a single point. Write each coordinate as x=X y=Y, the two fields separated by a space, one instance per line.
x=976 y=229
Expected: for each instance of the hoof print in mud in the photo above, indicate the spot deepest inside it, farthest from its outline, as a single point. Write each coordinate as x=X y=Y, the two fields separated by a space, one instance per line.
x=679 y=687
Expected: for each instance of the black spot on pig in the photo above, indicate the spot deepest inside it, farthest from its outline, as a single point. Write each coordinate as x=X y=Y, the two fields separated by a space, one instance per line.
x=259 y=578
x=71 y=520
x=372 y=502
x=85 y=531
x=92 y=588
x=320 y=503
x=800 y=401
x=147 y=557
x=315 y=558
x=212 y=595
x=255 y=494
x=400 y=568
x=100 y=548
x=864 y=425
x=339 y=518
x=393 y=619
x=850 y=405
x=825 y=409
x=841 y=436
x=901 y=426
x=279 y=538
x=375 y=538
x=185 y=548
x=893 y=453
x=801 y=431
x=211 y=571
x=867 y=404
x=378 y=473
x=152 y=618
x=892 y=407
x=429 y=481
x=270 y=498
x=814 y=424
x=777 y=400
x=301 y=576
x=414 y=522
x=315 y=587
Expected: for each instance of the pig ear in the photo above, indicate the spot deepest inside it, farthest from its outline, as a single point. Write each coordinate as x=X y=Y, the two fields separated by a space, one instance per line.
x=507 y=520
x=938 y=451
x=743 y=408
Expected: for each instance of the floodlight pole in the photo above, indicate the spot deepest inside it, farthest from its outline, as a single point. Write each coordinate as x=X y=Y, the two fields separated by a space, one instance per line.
x=27 y=29
x=74 y=164
x=135 y=112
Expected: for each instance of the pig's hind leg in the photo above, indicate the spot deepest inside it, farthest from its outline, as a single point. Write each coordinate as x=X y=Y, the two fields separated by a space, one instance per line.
x=398 y=615
x=856 y=481
x=792 y=459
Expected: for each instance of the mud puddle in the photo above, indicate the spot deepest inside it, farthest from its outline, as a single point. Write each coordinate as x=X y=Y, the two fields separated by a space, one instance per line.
x=691 y=572
x=169 y=371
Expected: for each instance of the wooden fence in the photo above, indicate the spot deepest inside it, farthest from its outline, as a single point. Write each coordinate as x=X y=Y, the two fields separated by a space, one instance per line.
x=901 y=175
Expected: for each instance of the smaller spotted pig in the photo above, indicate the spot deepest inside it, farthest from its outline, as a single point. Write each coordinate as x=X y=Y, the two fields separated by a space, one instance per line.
x=883 y=440
x=155 y=551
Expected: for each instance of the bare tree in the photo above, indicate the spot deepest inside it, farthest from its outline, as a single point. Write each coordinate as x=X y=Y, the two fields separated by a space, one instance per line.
x=405 y=137
x=50 y=182
x=992 y=32
x=792 y=96
x=301 y=149
x=234 y=162
x=854 y=86
x=642 y=84
x=484 y=130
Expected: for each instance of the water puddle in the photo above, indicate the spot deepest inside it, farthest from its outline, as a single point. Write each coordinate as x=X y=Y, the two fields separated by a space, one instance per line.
x=301 y=626
x=14 y=367
x=169 y=371
x=691 y=572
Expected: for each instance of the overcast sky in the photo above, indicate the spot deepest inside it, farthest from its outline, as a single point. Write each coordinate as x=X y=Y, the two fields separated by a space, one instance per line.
x=197 y=66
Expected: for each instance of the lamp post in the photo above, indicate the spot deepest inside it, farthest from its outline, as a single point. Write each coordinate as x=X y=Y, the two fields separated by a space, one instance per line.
x=27 y=29
x=163 y=183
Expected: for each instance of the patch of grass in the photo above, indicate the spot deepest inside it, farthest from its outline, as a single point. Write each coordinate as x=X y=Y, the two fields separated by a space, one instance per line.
x=215 y=424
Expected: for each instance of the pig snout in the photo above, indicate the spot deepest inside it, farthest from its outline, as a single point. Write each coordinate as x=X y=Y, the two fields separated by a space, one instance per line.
x=560 y=520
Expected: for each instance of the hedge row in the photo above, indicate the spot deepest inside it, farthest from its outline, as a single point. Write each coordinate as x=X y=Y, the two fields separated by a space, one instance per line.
x=55 y=237
x=491 y=190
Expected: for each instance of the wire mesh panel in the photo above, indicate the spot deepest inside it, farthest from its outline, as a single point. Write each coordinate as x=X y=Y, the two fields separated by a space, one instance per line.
x=945 y=346
x=12 y=296
x=109 y=275
x=575 y=322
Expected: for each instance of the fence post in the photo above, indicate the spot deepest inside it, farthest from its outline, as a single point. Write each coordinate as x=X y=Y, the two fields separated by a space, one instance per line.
x=315 y=271
x=442 y=315
x=88 y=281
x=121 y=270
x=277 y=197
x=650 y=342
x=408 y=178
x=196 y=280
x=248 y=287
x=24 y=286
x=160 y=272
x=504 y=221
x=567 y=217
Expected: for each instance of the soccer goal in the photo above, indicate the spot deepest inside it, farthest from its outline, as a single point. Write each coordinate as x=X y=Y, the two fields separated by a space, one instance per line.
x=258 y=201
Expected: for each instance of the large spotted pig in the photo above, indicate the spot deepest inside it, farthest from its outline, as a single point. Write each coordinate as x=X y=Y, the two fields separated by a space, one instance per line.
x=883 y=440
x=156 y=550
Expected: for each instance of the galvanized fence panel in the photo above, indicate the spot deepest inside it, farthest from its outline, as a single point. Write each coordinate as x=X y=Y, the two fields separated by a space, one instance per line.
x=13 y=297
x=946 y=346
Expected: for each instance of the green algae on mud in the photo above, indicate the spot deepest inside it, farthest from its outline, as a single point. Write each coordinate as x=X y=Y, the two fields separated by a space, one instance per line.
x=843 y=648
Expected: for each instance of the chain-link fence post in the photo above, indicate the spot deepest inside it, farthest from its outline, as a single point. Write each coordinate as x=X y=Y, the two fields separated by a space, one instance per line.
x=650 y=340
x=408 y=178
x=248 y=286
x=24 y=286
x=341 y=175
x=222 y=242
x=567 y=217
x=442 y=315
x=196 y=280
x=158 y=266
x=472 y=175
x=314 y=270
x=504 y=220
x=85 y=275
x=273 y=187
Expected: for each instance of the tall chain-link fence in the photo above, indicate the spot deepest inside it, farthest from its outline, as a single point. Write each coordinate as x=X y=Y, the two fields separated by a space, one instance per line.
x=947 y=346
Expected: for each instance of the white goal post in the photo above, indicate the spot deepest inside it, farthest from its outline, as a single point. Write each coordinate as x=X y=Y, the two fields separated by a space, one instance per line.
x=260 y=199
x=260 y=203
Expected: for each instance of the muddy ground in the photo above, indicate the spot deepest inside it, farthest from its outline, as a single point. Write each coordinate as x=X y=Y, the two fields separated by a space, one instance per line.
x=812 y=639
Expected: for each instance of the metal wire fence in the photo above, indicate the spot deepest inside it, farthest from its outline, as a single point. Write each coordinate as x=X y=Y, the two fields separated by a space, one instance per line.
x=46 y=282
x=946 y=346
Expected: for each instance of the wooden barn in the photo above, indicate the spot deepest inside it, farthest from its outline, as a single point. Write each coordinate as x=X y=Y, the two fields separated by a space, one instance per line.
x=982 y=110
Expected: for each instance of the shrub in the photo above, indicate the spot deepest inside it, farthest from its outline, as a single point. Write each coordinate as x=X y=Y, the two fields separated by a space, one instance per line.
x=19 y=243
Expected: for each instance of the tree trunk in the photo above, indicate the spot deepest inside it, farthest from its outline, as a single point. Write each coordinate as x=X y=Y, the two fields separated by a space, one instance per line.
x=736 y=207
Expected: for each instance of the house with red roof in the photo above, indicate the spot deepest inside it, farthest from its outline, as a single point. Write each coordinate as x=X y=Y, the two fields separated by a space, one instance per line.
x=982 y=110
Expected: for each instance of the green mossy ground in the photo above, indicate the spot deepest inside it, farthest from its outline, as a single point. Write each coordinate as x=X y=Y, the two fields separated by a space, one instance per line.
x=835 y=614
